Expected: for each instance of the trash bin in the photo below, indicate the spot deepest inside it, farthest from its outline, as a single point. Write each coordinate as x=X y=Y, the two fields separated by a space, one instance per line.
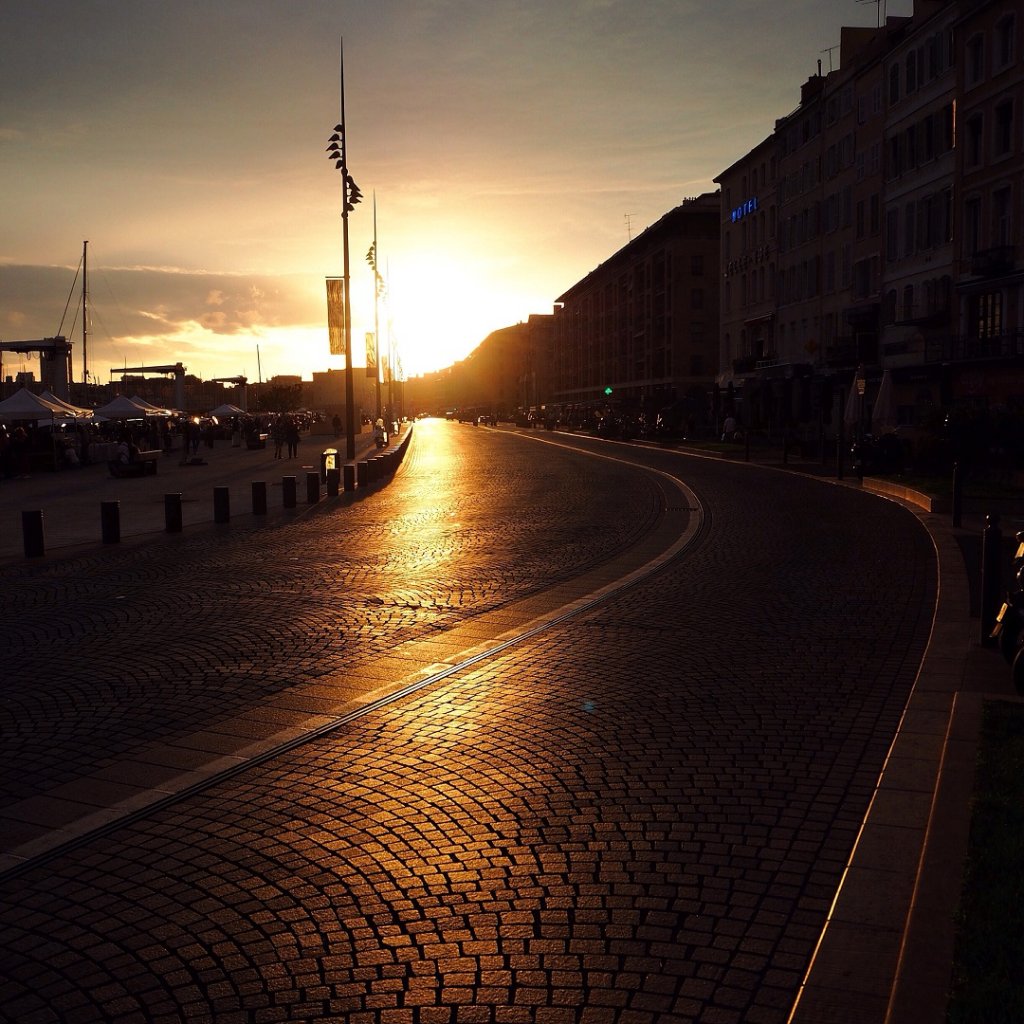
x=328 y=460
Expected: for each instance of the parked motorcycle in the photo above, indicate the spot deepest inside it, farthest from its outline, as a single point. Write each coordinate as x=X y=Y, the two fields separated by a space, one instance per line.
x=1008 y=631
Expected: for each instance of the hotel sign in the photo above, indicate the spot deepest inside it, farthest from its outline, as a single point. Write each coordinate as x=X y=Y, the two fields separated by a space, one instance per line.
x=750 y=206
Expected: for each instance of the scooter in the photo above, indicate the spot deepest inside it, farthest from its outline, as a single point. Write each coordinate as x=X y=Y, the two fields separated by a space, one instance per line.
x=1008 y=631
x=380 y=436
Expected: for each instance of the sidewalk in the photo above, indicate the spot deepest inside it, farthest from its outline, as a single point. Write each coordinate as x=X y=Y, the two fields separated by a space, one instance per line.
x=70 y=499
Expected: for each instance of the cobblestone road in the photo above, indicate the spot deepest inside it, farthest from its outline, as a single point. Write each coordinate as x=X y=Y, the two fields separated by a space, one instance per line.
x=640 y=814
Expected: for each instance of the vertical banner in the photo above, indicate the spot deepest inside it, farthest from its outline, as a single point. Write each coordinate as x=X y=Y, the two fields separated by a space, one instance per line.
x=371 y=355
x=336 y=315
x=387 y=369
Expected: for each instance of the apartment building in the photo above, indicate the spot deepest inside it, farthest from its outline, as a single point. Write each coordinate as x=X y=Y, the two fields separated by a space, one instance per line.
x=985 y=355
x=642 y=327
x=918 y=306
x=891 y=213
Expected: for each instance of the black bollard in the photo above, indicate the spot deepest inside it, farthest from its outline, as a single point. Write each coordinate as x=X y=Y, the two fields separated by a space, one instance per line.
x=312 y=488
x=333 y=482
x=259 y=498
x=364 y=474
x=288 y=491
x=350 y=477
x=958 y=495
x=221 y=505
x=32 y=533
x=110 y=521
x=172 y=513
x=991 y=576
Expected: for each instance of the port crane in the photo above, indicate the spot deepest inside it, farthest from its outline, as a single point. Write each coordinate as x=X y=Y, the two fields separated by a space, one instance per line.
x=240 y=382
x=176 y=368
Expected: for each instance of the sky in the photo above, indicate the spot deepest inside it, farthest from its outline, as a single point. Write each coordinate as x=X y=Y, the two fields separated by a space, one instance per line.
x=509 y=149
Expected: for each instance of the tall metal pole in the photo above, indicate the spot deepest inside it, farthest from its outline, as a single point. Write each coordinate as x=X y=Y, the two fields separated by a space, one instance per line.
x=85 y=313
x=376 y=304
x=350 y=412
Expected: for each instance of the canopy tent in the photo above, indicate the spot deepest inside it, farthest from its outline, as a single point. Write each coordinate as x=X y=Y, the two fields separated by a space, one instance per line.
x=69 y=409
x=24 y=405
x=855 y=400
x=227 y=410
x=153 y=410
x=121 y=408
x=883 y=415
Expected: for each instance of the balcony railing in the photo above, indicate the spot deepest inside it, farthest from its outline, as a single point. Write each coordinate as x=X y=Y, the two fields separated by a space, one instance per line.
x=962 y=349
x=993 y=262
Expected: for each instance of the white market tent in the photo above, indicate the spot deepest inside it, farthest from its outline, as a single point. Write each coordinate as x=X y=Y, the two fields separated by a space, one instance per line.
x=153 y=410
x=69 y=410
x=120 y=408
x=24 y=405
x=226 y=411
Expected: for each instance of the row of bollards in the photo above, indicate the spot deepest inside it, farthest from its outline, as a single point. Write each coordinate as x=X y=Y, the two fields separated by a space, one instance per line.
x=370 y=471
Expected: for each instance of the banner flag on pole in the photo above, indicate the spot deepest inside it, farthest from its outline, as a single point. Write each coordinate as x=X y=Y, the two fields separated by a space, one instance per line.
x=336 y=314
x=371 y=354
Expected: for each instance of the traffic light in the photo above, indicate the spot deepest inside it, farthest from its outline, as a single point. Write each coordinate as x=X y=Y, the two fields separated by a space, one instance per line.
x=607 y=392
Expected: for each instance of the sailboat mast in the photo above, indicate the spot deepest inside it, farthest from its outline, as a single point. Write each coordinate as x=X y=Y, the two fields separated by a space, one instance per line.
x=85 y=313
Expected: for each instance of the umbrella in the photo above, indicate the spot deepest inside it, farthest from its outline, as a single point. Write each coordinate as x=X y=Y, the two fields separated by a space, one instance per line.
x=854 y=401
x=883 y=416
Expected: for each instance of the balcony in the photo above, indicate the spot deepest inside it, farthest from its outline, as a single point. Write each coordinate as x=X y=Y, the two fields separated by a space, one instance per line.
x=994 y=262
x=962 y=349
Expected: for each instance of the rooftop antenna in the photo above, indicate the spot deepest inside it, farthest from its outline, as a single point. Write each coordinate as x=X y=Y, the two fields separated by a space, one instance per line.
x=880 y=11
x=827 y=50
x=629 y=226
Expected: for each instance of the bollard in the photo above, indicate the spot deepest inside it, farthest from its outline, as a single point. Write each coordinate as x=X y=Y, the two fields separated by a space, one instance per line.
x=32 y=533
x=221 y=504
x=259 y=498
x=958 y=495
x=288 y=491
x=110 y=521
x=364 y=474
x=333 y=482
x=312 y=488
x=991 y=582
x=350 y=477
x=172 y=513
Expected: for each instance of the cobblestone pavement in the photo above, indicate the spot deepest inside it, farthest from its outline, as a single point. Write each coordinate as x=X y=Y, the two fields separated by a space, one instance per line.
x=639 y=814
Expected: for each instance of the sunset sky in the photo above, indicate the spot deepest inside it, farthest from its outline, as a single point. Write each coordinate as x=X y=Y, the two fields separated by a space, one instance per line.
x=512 y=147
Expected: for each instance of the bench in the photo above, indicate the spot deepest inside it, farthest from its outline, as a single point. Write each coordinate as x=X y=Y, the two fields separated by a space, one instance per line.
x=254 y=441
x=143 y=464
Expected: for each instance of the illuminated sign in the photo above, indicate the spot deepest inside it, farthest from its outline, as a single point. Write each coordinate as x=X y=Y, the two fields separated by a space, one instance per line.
x=750 y=206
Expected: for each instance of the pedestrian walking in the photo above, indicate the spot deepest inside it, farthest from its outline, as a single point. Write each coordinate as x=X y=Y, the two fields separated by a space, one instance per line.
x=291 y=436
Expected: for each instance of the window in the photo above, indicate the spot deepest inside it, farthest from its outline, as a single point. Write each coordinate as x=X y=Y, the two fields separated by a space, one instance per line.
x=987 y=314
x=859 y=220
x=892 y=234
x=1002 y=130
x=875 y=214
x=1005 y=31
x=972 y=154
x=972 y=226
x=975 y=59
x=697 y=298
x=911 y=76
x=894 y=84
x=1002 y=215
x=889 y=307
x=909 y=221
x=908 y=302
x=697 y=264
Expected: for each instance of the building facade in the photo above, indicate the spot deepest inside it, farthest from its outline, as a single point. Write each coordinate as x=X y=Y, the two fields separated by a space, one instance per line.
x=641 y=330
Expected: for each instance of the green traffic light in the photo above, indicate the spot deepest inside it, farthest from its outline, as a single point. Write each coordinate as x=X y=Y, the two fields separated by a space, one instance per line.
x=607 y=391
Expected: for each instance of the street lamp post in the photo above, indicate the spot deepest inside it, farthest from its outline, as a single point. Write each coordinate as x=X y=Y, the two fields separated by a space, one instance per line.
x=350 y=195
